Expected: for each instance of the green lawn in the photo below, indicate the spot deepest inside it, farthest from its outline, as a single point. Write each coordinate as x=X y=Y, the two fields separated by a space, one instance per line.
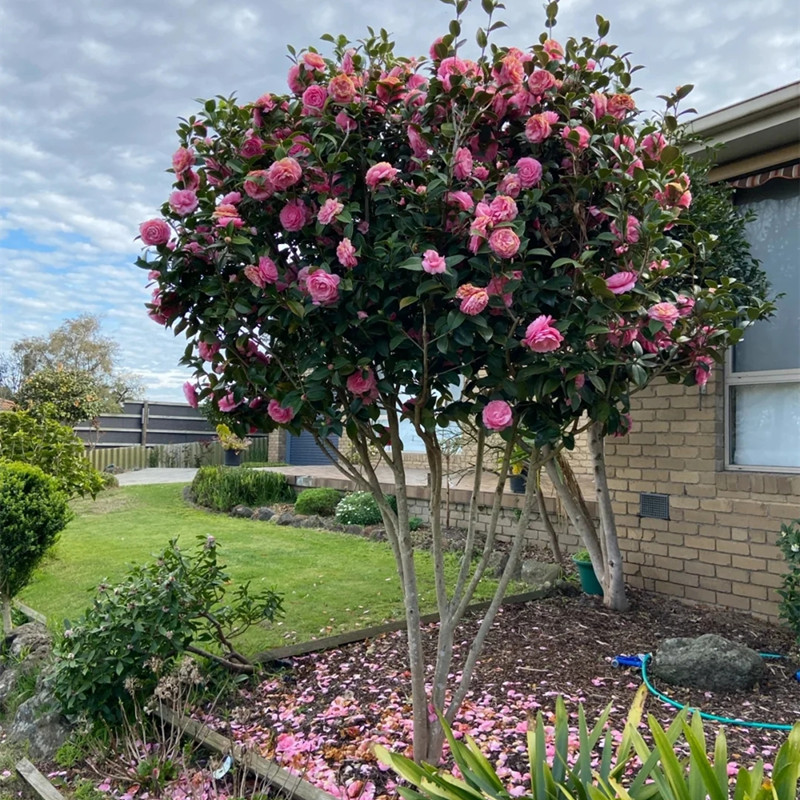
x=331 y=582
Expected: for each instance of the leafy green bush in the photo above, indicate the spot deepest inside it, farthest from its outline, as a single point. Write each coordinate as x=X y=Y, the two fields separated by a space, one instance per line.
x=585 y=774
x=109 y=481
x=33 y=510
x=52 y=447
x=223 y=488
x=320 y=501
x=159 y=611
x=789 y=543
x=414 y=523
x=360 y=508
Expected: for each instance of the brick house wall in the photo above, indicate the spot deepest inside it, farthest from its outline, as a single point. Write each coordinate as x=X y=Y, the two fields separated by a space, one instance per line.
x=718 y=546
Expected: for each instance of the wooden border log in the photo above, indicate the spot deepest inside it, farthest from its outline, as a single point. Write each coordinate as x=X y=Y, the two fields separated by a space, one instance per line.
x=37 y=781
x=278 y=778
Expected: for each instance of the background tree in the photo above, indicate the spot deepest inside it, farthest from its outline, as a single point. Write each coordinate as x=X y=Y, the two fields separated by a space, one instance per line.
x=493 y=239
x=76 y=358
x=66 y=395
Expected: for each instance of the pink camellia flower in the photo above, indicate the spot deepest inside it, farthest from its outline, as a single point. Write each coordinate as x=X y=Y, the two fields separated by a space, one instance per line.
x=480 y=172
x=346 y=254
x=190 y=393
x=580 y=381
x=503 y=209
x=313 y=62
x=432 y=51
x=258 y=185
x=685 y=304
x=294 y=79
x=554 y=50
x=330 y=210
x=540 y=81
x=345 y=122
x=418 y=145
x=342 y=89
x=540 y=126
x=631 y=233
x=154 y=232
x=227 y=214
x=473 y=299
x=625 y=425
x=284 y=173
x=314 y=99
x=462 y=164
x=567 y=134
x=207 y=351
x=497 y=415
x=433 y=263
x=497 y=286
x=653 y=144
x=703 y=367
x=252 y=147
x=382 y=172
x=656 y=266
x=232 y=198
x=262 y=274
x=363 y=384
x=664 y=312
x=323 y=287
x=182 y=160
x=624 y=142
x=599 y=104
x=461 y=199
x=183 y=202
x=294 y=215
x=541 y=336
x=228 y=403
x=504 y=243
x=278 y=413
x=529 y=172
x=510 y=185
x=620 y=105
x=620 y=334
x=621 y=282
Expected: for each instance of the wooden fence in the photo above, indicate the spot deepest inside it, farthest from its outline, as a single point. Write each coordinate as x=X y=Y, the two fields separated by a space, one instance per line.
x=188 y=455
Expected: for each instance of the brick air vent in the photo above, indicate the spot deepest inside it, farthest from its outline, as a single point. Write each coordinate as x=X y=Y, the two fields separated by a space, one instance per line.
x=654 y=505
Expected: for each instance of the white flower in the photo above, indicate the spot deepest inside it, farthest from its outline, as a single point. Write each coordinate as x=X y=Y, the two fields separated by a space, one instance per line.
x=795 y=548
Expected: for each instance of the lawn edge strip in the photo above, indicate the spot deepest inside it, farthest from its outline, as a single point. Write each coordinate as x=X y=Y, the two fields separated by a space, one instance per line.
x=361 y=634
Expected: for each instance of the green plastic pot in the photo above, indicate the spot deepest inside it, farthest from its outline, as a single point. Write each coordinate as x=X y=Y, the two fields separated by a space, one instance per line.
x=588 y=579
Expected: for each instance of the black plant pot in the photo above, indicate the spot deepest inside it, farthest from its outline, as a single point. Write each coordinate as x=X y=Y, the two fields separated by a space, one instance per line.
x=233 y=458
x=517 y=483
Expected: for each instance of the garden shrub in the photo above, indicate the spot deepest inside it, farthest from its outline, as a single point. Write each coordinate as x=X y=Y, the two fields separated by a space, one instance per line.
x=320 y=501
x=360 y=508
x=789 y=543
x=52 y=447
x=109 y=481
x=414 y=523
x=222 y=488
x=158 y=611
x=33 y=510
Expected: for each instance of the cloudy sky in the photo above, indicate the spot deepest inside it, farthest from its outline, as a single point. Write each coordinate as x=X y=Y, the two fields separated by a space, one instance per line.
x=90 y=93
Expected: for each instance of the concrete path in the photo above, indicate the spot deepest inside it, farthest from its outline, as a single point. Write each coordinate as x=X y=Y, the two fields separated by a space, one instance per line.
x=139 y=477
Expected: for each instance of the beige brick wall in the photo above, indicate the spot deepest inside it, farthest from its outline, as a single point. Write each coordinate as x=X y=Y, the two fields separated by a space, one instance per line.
x=718 y=546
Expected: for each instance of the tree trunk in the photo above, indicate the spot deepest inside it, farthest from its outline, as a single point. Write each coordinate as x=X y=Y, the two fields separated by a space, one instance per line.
x=613 y=580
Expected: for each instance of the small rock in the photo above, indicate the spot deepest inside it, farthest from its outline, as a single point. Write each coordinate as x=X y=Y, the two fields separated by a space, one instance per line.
x=313 y=521
x=709 y=662
x=540 y=573
x=336 y=527
x=8 y=683
x=263 y=514
x=285 y=518
x=245 y=512
x=354 y=529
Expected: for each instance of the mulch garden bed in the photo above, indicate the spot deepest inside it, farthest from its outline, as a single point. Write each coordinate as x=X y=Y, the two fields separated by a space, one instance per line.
x=321 y=715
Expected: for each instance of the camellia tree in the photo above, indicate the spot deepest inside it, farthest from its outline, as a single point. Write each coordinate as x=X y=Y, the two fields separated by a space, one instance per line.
x=438 y=240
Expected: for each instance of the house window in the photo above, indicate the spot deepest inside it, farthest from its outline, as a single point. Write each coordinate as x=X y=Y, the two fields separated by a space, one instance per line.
x=762 y=381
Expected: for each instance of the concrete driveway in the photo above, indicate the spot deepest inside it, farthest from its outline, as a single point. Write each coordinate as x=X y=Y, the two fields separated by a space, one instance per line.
x=140 y=477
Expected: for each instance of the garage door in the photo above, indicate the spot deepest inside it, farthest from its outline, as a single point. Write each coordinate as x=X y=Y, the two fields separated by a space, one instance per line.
x=302 y=450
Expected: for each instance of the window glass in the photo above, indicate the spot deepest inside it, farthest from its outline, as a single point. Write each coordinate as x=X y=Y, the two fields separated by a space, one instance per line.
x=766 y=425
x=774 y=237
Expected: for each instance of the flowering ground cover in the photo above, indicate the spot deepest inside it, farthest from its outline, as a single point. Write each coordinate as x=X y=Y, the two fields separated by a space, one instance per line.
x=321 y=716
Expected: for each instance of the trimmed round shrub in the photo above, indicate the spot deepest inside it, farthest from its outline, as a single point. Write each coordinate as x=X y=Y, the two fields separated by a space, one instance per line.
x=360 y=508
x=320 y=501
x=222 y=488
x=33 y=511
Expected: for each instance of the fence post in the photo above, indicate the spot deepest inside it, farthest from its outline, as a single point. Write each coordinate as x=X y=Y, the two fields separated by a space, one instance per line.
x=145 y=420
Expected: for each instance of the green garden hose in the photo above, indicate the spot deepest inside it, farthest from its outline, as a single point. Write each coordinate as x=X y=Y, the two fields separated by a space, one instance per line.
x=775 y=726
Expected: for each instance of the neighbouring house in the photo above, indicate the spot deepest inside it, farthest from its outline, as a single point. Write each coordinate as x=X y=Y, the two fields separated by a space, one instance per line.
x=706 y=478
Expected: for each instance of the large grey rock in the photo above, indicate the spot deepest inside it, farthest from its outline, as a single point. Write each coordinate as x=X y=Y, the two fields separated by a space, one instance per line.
x=245 y=512
x=497 y=564
x=541 y=576
x=39 y=722
x=285 y=519
x=27 y=639
x=708 y=662
x=263 y=514
x=313 y=521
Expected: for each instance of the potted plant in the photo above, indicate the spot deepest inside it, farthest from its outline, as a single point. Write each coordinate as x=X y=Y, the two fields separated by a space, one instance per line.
x=518 y=467
x=232 y=445
x=588 y=579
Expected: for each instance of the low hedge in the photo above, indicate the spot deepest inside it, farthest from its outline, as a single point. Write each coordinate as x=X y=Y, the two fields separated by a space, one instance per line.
x=321 y=501
x=222 y=488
